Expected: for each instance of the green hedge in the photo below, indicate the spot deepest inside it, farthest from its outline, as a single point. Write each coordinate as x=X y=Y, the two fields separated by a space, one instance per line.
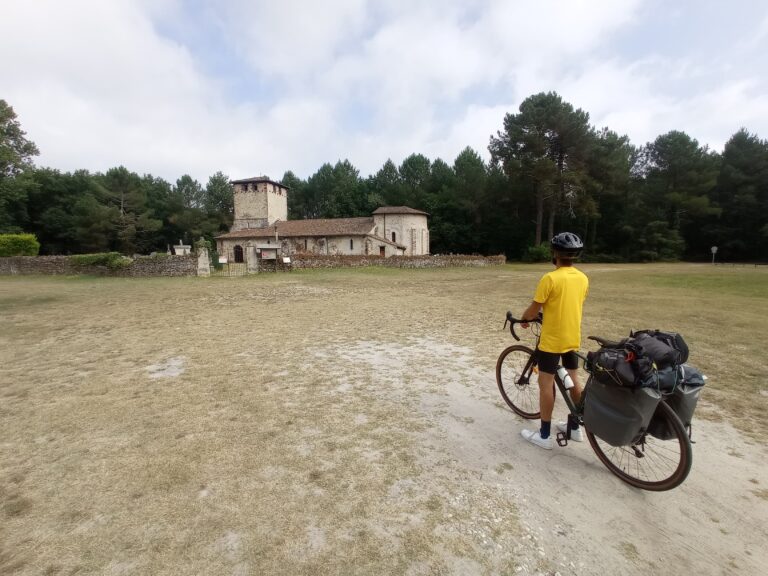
x=19 y=245
x=540 y=253
x=111 y=260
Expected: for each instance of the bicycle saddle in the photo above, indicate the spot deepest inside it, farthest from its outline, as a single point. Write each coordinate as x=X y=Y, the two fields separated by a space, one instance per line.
x=607 y=343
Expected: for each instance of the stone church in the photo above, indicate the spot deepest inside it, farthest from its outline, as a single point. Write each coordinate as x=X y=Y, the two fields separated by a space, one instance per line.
x=261 y=222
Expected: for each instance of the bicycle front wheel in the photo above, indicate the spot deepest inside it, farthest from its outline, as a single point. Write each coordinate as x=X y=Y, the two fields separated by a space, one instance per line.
x=651 y=463
x=518 y=378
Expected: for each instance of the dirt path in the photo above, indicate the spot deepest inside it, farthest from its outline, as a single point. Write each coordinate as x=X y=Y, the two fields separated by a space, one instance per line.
x=576 y=517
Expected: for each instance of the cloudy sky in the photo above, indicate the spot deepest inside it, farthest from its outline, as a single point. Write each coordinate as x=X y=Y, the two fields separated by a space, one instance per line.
x=255 y=87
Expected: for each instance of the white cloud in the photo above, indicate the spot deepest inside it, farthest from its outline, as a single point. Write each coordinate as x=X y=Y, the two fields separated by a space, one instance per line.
x=92 y=82
x=540 y=30
x=473 y=129
x=292 y=38
x=648 y=110
x=97 y=84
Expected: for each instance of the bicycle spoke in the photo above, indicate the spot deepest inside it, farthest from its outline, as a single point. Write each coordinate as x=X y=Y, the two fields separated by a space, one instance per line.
x=659 y=464
x=660 y=461
x=518 y=381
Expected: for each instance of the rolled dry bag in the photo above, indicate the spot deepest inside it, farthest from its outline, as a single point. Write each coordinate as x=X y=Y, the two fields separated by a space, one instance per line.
x=671 y=339
x=660 y=352
x=618 y=415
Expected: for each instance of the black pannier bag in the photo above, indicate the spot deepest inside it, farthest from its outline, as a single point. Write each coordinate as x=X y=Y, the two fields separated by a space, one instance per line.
x=683 y=400
x=649 y=341
x=618 y=415
x=620 y=367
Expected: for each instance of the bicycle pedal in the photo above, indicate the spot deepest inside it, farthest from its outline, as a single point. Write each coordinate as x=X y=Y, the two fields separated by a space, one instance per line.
x=561 y=439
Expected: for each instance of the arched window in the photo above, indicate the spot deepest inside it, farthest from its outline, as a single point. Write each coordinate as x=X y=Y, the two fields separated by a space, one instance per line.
x=394 y=238
x=351 y=244
x=238 y=253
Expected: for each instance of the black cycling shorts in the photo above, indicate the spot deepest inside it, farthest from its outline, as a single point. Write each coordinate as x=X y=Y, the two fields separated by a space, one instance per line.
x=548 y=361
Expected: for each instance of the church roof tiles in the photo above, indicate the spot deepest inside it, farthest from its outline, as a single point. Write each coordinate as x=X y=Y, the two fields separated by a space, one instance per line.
x=317 y=227
x=398 y=210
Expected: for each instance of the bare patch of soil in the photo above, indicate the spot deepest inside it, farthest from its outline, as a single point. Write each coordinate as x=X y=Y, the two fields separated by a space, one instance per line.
x=167 y=369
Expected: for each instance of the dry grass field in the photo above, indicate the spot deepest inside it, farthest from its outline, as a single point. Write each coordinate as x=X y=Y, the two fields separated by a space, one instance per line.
x=318 y=422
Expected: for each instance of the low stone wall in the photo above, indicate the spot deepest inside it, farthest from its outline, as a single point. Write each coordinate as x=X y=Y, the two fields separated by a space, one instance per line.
x=142 y=266
x=164 y=266
x=448 y=261
x=36 y=265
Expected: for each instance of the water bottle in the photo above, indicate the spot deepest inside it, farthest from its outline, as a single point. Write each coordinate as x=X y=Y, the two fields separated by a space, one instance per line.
x=565 y=378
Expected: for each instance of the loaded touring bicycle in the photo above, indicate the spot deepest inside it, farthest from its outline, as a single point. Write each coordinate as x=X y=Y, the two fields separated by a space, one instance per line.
x=636 y=408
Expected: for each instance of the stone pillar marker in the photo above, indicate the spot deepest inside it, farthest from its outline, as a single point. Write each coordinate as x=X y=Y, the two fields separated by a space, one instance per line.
x=203 y=263
x=251 y=262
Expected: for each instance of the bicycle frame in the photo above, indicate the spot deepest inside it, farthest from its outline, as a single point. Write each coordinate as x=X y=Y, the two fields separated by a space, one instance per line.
x=574 y=412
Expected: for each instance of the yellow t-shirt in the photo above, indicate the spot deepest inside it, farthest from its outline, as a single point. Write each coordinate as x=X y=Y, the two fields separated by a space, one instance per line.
x=562 y=292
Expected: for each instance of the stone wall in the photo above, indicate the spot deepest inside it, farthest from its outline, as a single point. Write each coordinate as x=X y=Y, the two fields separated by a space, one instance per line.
x=320 y=245
x=169 y=266
x=37 y=265
x=410 y=230
x=144 y=266
x=448 y=261
x=140 y=267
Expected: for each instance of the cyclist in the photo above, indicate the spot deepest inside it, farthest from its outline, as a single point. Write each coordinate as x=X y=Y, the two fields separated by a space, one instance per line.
x=560 y=294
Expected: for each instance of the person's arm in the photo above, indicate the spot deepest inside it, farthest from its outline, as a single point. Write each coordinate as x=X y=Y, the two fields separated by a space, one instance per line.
x=541 y=295
x=531 y=312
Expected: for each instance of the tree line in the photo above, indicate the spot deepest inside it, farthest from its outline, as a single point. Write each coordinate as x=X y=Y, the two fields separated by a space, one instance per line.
x=550 y=170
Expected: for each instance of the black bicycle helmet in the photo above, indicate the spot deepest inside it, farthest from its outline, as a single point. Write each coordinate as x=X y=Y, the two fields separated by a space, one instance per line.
x=567 y=244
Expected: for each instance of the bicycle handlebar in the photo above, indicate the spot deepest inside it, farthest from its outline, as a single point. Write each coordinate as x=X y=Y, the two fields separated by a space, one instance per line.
x=512 y=321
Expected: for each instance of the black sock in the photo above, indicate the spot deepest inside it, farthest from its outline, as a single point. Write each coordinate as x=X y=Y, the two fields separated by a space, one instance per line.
x=546 y=427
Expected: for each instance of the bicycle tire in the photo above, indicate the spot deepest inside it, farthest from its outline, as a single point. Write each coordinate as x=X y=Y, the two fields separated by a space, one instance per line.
x=523 y=398
x=662 y=465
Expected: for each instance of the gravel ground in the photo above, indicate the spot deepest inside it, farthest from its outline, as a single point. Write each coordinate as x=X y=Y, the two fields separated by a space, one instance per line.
x=348 y=422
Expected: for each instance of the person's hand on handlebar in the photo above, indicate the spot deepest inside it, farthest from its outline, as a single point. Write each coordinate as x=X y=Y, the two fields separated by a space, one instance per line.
x=511 y=320
x=531 y=313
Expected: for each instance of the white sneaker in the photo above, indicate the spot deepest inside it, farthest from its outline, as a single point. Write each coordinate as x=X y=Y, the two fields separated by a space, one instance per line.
x=534 y=437
x=576 y=435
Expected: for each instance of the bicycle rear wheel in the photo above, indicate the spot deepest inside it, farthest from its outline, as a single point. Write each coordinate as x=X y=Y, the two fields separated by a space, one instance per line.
x=518 y=380
x=650 y=464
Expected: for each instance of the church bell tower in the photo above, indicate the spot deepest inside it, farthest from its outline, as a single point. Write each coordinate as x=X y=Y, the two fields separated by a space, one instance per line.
x=259 y=202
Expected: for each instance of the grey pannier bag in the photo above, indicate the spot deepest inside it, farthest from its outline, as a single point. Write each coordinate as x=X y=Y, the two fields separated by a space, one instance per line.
x=682 y=398
x=685 y=397
x=618 y=415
